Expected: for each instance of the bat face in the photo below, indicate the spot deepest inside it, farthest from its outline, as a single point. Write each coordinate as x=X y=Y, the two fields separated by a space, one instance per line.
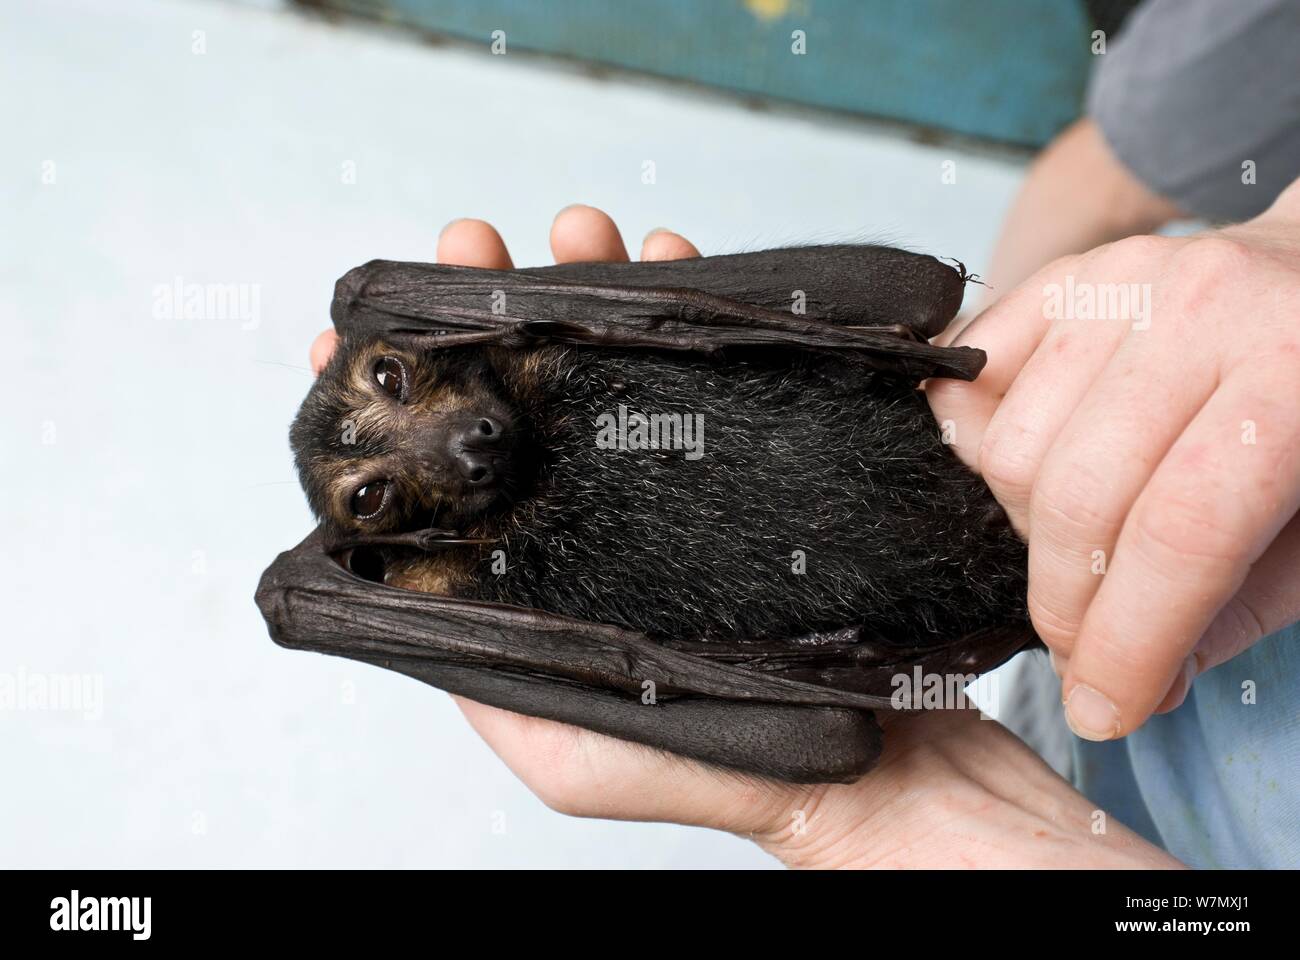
x=391 y=439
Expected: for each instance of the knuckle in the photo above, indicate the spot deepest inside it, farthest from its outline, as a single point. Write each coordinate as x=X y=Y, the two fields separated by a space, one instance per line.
x=1237 y=627
x=1214 y=255
x=1140 y=247
x=1056 y=628
x=950 y=397
x=1007 y=466
x=1062 y=263
x=1173 y=527
x=1070 y=263
x=1074 y=504
x=1207 y=270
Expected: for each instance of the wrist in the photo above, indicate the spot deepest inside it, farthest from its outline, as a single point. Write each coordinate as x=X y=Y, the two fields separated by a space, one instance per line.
x=1276 y=231
x=1287 y=205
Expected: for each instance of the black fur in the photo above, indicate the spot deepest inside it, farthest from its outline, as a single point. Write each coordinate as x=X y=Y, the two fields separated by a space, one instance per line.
x=847 y=466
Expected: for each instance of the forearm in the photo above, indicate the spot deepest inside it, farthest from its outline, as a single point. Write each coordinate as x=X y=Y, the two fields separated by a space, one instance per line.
x=1076 y=196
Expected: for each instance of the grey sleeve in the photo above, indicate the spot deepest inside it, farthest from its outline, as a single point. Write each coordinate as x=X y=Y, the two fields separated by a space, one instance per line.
x=1192 y=90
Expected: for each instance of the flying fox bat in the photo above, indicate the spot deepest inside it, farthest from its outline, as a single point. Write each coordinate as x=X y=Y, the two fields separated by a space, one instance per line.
x=700 y=504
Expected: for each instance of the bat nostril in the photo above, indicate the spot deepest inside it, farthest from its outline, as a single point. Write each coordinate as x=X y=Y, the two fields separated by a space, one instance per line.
x=485 y=430
x=479 y=433
x=476 y=470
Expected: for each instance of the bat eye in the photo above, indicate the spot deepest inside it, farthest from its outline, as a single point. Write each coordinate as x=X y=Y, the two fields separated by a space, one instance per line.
x=391 y=377
x=370 y=499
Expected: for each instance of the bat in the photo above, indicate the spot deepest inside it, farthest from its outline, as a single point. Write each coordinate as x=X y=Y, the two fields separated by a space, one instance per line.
x=700 y=505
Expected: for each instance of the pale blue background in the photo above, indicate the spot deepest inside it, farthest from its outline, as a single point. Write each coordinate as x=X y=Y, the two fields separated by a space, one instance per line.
x=133 y=542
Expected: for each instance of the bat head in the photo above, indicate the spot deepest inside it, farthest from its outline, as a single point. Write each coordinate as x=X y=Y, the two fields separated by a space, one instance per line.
x=391 y=438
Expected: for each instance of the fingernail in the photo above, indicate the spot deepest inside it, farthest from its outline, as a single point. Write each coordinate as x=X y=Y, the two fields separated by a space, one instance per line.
x=1090 y=715
x=653 y=231
x=1191 y=669
x=1057 y=663
x=1176 y=695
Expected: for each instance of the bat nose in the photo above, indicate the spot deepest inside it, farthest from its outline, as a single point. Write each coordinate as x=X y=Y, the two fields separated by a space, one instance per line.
x=474 y=447
x=476 y=469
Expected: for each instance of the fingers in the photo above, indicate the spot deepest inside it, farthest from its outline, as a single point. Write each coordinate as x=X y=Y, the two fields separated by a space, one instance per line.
x=1218 y=499
x=473 y=243
x=581 y=234
x=1037 y=406
x=1268 y=601
x=583 y=774
x=322 y=348
x=661 y=244
x=1107 y=450
x=1009 y=331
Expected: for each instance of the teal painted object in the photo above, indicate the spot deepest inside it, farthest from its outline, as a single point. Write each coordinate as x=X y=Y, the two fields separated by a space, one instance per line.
x=1007 y=70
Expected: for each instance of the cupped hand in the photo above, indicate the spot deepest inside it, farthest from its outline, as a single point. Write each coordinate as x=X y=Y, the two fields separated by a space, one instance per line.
x=951 y=788
x=1138 y=420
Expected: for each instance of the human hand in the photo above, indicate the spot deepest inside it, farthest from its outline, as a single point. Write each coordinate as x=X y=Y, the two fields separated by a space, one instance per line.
x=1152 y=462
x=950 y=789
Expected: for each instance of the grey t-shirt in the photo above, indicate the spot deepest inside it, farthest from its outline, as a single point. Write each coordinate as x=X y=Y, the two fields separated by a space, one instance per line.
x=1199 y=97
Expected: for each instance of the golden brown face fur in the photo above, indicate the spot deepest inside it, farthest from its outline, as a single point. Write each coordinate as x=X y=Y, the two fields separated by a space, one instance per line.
x=354 y=436
x=447 y=574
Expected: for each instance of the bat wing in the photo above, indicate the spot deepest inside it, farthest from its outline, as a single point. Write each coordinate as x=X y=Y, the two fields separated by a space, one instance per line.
x=839 y=283
x=848 y=660
x=798 y=712
x=869 y=304
x=607 y=679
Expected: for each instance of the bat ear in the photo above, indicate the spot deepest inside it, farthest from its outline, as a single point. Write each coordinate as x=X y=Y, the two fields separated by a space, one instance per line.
x=348 y=288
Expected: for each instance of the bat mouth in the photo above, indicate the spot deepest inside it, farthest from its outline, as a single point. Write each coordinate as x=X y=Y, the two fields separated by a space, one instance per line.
x=471 y=505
